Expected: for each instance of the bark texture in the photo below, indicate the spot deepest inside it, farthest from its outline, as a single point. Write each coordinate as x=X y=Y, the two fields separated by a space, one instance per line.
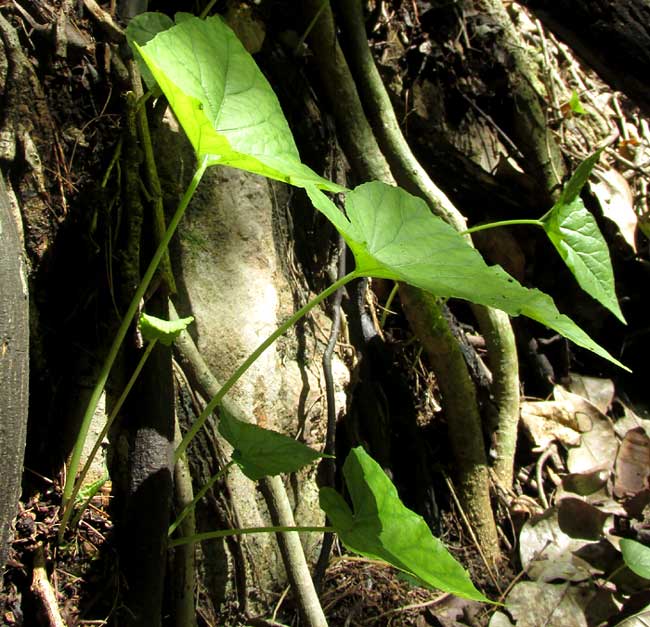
x=611 y=37
x=14 y=368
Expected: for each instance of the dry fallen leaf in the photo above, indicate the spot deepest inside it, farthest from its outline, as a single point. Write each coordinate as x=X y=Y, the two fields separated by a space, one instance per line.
x=547 y=553
x=537 y=604
x=599 y=391
x=632 y=469
x=578 y=519
x=616 y=201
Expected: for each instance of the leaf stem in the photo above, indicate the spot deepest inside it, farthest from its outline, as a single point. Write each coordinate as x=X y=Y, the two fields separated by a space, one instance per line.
x=199 y=495
x=69 y=504
x=123 y=329
x=250 y=360
x=207 y=9
x=223 y=533
x=389 y=302
x=494 y=225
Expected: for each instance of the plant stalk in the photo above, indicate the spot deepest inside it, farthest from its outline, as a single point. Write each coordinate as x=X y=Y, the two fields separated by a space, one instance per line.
x=123 y=329
x=250 y=360
x=223 y=533
x=68 y=507
x=199 y=495
x=494 y=225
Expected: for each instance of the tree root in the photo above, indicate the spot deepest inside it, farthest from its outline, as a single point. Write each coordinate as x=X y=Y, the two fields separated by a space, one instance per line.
x=273 y=490
x=495 y=325
x=43 y=592
x=369 y=163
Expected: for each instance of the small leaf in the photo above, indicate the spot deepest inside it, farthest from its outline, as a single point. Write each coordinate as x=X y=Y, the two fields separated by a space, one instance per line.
x=393 y=235
x=223 y=102
x=575 y=105
x=636 y=557
x=165 y=331
x=381 y=527
x=576 y=236
x=260 y=452
x=141 y=29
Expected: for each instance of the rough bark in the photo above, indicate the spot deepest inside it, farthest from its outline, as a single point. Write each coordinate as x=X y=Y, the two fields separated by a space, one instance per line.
x=611 y=37
x=14 y=368
x=149 y=433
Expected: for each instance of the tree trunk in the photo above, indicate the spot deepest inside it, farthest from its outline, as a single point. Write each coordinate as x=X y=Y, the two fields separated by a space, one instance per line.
x=14 y=368
x=611 y=37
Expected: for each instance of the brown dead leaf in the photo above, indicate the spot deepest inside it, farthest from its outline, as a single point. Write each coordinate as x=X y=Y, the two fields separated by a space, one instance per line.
x=616 y=201
x=562 y=419
x=599 y=391
x=632 y=468
x=579 y=519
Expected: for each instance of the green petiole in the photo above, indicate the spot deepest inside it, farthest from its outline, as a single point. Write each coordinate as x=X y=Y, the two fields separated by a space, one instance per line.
x=124 y=327
x=281 y=330
x=223 y=533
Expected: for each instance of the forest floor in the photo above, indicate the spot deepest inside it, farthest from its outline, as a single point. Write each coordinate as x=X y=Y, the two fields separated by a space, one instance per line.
x=583 y=462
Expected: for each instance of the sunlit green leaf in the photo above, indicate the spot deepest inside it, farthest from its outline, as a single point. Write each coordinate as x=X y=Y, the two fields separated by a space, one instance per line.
x=260 y=452
x=573 y=231
x=379 y=526
x=636 y=557
x=165 y=331
x=575 y=234
x=224 y=103
x=393 y=235
x=575 y=105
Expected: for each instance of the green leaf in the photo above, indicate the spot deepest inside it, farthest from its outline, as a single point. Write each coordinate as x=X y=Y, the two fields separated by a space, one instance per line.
x=573 y=188
x=381 y=527
x=261 y=452
x=223 y=102
x=165 y=331
x=393 y=235
x=575 y=105
x=636 y=557
x=573 y=231
x=141 y=29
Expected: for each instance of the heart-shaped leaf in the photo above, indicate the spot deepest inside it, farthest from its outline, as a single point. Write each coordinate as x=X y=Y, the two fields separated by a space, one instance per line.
x=393 y=235
x=636 y=557
x=263 y=453
x=165 y=331
x=381 y=527
x=575 y=234
x=223 y=102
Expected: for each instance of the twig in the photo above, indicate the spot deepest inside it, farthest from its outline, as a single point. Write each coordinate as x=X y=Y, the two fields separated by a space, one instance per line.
x=43 y=592
x=539 y=467
x=405 y=608
x=105 y=21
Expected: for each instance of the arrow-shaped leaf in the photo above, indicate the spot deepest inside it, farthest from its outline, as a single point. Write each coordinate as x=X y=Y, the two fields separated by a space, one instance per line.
x=380 y=527
x=263 y=453
x=576 y=236
x=223 y=101
x=393 y=235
